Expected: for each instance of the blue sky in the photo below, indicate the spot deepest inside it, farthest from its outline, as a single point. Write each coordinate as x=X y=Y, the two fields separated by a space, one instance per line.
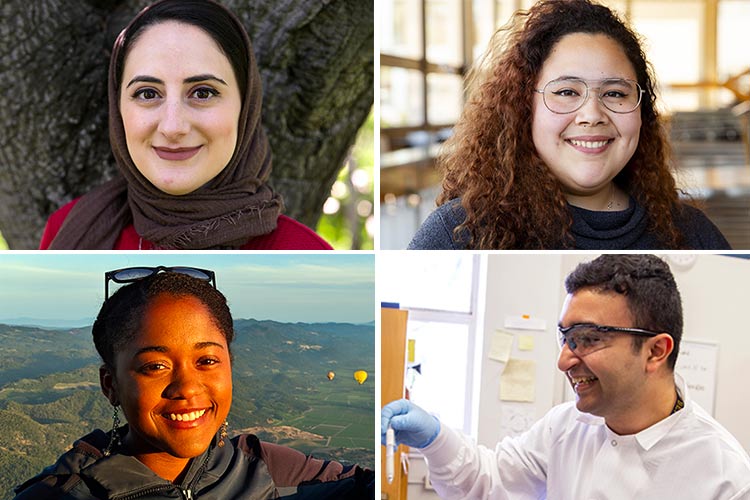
x=282 y=287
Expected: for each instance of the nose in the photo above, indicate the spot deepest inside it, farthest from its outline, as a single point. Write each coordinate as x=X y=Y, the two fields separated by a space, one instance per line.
x=567 y=359
x=173 y=122
x=593 y=111
x=184 y=384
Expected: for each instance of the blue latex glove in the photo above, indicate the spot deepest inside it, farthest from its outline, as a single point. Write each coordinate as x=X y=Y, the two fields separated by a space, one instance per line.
x=412 y=425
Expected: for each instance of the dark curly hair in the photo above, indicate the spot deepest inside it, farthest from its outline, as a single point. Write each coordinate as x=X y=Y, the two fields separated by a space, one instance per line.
x=648 y=286
x=119 y=319
x=511 y=198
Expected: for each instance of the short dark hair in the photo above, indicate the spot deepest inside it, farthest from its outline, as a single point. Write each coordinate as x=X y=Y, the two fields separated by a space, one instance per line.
x=119 y=319
x=648 y=285
x=215 y=20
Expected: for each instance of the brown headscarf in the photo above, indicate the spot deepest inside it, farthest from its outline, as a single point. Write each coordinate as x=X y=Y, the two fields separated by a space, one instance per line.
x=226 y=212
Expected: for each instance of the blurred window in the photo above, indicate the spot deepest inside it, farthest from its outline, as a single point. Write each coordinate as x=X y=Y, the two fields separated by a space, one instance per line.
x=444 y=97
x=401 y=28
x=401 y=97
x=733 y=38
x=440 y=292
x=443 y=27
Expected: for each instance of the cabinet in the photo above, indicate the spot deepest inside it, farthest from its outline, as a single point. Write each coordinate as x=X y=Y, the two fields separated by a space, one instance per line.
x=392 y=369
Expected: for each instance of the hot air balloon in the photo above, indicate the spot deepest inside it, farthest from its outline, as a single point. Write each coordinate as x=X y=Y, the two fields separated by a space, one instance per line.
x=360 y=376
x=331 y=375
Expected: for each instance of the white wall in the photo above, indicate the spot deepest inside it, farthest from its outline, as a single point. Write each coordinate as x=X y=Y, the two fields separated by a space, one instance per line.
x=520 y=285
x=716 y=302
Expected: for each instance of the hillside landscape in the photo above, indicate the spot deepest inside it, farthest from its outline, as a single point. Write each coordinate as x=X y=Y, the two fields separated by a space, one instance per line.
x=49 y=391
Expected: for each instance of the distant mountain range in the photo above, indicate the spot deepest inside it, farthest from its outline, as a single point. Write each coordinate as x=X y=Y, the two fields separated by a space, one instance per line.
x=79 y=323
x=49 y=391
x=48 y=323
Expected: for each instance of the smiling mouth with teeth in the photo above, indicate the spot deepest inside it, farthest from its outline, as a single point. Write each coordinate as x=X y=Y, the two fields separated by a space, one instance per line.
x=186 y=417
x=582 y=380
x=589 y=144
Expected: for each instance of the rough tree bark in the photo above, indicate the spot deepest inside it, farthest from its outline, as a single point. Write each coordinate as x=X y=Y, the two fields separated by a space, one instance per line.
x=316 y=63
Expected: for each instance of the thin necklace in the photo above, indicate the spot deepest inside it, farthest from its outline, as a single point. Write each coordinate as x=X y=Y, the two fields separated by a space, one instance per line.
x=612 y=198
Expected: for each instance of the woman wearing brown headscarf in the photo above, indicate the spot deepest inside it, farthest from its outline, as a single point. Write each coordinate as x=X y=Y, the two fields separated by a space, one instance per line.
x=185 y=128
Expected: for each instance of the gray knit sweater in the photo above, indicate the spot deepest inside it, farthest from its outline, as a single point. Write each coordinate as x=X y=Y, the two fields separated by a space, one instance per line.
x=621 y=230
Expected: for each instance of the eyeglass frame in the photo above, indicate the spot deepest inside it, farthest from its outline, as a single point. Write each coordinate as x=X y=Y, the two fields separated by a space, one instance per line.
x=641 y=91
x=563 y=330
x=110 y=275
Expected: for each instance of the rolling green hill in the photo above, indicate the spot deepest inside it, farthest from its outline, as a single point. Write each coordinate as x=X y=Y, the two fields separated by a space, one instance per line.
x=49 y=392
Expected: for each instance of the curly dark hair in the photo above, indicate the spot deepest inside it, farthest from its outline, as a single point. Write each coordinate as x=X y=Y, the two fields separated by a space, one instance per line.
x=119 y=319
x=511 y=198
x=647 y=284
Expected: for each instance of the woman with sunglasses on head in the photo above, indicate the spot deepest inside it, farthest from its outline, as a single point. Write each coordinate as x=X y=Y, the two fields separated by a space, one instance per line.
x=165 y=342
x=186 y=134
x=560 y=145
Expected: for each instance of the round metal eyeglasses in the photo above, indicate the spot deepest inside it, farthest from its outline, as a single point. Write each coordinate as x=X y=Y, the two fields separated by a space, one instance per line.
x=566 y=95
x=585 y=338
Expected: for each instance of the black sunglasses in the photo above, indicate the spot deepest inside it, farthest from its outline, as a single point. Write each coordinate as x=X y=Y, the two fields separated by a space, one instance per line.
x=131 y=274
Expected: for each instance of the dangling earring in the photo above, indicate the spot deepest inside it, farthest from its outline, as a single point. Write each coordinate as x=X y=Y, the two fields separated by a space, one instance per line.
x=222 y=433
x=114 y=439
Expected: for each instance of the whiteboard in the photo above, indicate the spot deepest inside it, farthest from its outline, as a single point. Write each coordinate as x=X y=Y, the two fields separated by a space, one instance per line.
x=696 y=363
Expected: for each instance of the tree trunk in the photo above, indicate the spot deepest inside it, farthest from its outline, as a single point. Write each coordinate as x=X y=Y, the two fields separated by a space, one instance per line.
x=316 y=63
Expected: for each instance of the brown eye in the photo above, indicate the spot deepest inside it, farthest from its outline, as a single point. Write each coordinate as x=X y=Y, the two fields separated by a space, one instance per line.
x=205 y=93
x=146 y=94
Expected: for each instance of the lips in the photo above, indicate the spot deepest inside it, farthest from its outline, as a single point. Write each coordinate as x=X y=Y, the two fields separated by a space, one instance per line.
x=176 y=154
x=187 y=418
x=581 y=383
x=590 y=144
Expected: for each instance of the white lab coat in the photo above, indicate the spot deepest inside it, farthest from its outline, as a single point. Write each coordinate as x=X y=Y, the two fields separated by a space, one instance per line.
x=569 y=455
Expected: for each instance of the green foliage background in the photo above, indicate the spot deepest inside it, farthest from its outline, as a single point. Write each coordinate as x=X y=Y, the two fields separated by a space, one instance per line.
x=345 y=229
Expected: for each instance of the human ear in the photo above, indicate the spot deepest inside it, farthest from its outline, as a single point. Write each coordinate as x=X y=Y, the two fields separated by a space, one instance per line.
x=659 y=348
x=108 y=384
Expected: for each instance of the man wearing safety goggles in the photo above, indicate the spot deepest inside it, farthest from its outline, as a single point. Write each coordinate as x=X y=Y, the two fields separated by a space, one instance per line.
x=633 y=431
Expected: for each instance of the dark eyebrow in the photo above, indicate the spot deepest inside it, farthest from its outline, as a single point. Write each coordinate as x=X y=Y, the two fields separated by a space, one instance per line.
x=568 y=77
x=191 y=79
x=143 y=78
x=205 y=345
x=203 y=78
x=160 y=348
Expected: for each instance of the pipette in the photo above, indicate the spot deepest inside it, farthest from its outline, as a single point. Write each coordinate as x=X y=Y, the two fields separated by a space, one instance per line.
x=390 y=448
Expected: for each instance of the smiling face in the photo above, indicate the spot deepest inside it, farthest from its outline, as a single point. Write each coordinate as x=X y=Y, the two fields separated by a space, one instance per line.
x=173 y=380
x=608 y=382
x=180 y=105
x=587 y=148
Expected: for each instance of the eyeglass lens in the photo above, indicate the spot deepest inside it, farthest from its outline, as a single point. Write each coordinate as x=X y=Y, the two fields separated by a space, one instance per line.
x=567 y=95
x=191 y=271
x=584 y=340
x=137 y=273
x=133 y=273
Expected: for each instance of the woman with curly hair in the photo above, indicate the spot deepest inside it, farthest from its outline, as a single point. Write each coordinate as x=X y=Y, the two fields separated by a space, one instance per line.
x=560 y=145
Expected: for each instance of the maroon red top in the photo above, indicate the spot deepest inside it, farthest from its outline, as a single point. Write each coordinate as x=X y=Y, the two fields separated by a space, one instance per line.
x=288 y=235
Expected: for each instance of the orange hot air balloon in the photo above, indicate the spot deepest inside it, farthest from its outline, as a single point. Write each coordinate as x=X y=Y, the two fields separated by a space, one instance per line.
x=331 y=375
x=360 y=376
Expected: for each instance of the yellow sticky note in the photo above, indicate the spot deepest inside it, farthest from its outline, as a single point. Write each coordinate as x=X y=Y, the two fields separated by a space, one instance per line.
x=411 y=343
x=502 y=342
x=518 y=381
x=526 y=342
